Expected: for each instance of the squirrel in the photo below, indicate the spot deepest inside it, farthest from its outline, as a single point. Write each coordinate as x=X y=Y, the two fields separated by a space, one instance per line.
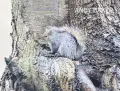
x=65 y=41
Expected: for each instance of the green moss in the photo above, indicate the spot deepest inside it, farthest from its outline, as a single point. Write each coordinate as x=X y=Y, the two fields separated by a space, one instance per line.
x=28 y=54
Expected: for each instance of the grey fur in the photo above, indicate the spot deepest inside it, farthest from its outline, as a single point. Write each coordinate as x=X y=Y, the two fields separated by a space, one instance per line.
x=64 y=44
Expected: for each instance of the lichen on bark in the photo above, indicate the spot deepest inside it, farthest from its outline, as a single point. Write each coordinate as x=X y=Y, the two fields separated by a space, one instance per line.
x=99 y=19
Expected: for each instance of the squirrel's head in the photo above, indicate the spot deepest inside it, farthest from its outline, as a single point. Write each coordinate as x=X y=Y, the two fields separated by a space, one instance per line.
x=50 y=29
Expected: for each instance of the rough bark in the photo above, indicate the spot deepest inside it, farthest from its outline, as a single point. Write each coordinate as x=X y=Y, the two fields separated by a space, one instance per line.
x=98 y=19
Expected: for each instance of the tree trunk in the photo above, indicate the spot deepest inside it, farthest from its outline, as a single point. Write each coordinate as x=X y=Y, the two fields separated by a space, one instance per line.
x=98 y=68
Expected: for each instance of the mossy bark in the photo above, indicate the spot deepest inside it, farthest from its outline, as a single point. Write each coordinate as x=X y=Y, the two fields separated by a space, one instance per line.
x=98 y=19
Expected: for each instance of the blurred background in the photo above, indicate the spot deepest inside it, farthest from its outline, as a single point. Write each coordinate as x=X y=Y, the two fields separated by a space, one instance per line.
x=5 y=30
